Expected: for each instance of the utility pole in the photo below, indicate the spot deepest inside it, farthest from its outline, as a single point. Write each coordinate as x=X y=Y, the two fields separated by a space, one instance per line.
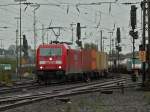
x=148 y=39
x=17 y=46
x=113 y=47
x=43 y=33
x=110 y=52
x=20 y=41
x=133 y=50
x=101 y=41
x=145 y=18
x=110 y=42
x=118 y=55
x=20 y=1
x=72 y=24
x=2 y=45
x=47 y=38
x=34 y=27
x=35 y=34
x=104 y=38
x=103 y=45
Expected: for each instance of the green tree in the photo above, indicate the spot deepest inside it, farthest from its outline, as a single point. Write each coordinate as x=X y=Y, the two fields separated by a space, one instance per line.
x=90 y=46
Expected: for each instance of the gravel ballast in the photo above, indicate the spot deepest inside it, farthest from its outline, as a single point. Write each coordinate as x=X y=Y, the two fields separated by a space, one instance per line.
x=131 y=101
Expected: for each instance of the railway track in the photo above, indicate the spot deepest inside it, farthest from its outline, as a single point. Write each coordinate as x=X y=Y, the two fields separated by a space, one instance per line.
x=17 y=88
x=28 y=85
x=53 y=88
x=17 y=83
x=15 y=101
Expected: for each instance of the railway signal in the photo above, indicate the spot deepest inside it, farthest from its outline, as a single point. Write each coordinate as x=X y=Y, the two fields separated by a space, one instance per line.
x=134 y=34
x=119 y=48
x=78 y=31
x=133 y=16
x=25 y=46
x=118 y=35
x=79 y=35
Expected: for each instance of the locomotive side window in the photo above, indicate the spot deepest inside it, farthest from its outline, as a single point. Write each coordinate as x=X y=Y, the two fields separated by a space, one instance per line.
x=50 y=51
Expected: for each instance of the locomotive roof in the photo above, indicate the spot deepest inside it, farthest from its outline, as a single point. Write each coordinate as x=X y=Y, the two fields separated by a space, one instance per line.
x=57 y=45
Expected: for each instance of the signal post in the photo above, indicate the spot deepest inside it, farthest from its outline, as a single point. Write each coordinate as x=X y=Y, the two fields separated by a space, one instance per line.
x=134 y=35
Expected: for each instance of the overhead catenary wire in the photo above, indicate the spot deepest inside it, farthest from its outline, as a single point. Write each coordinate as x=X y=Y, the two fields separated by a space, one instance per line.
x=11 y=12
x=14 y=12
x=52 y=4
x=62 y=5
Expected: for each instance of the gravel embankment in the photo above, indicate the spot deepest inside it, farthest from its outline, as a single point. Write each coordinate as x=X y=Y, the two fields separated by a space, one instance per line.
x=131 y=101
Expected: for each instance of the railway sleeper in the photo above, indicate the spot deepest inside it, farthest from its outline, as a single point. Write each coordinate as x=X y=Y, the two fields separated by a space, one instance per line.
x=107 y=92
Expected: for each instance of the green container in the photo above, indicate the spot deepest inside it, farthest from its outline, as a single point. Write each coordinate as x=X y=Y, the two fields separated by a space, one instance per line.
x=5 y=67
x=136 y=62
x=5 y=74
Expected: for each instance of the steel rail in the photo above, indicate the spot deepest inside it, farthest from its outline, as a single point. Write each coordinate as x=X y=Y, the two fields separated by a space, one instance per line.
x=28 y=86
x=48 y=95
x=72 y=87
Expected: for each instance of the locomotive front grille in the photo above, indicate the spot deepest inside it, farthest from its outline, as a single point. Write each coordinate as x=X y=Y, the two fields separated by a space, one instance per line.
x=50 y=62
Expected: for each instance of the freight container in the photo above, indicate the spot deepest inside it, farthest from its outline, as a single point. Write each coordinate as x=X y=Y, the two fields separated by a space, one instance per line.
x=98 y=63
x=74 y=62
x=86 y=63
x=93 y=60
x=89 y=60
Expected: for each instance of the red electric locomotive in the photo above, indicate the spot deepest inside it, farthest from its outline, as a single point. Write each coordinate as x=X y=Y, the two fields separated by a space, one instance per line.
x=59 y=61
x=55 y=61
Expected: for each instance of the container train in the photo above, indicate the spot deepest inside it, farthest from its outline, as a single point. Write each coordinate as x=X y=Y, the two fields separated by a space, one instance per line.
x=128 y=66
x=60 y=62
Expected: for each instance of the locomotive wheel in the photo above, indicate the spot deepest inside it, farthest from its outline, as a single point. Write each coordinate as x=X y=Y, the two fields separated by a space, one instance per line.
x=97 y=75
x=39 y=80
x=87 y=77
x=64 y=79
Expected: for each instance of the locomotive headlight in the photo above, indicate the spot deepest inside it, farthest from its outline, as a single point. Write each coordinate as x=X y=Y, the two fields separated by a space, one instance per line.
x=41 y=67
x=59 y=67
x=50 y=59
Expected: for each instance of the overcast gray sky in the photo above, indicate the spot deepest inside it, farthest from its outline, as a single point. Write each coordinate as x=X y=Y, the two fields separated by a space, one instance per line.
x=105 y=16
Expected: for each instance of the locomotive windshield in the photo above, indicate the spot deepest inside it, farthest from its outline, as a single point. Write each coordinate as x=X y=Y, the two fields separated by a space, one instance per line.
x=50 y=51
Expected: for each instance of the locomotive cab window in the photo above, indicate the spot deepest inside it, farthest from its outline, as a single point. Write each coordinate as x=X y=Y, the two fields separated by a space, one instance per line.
x=50 y=51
